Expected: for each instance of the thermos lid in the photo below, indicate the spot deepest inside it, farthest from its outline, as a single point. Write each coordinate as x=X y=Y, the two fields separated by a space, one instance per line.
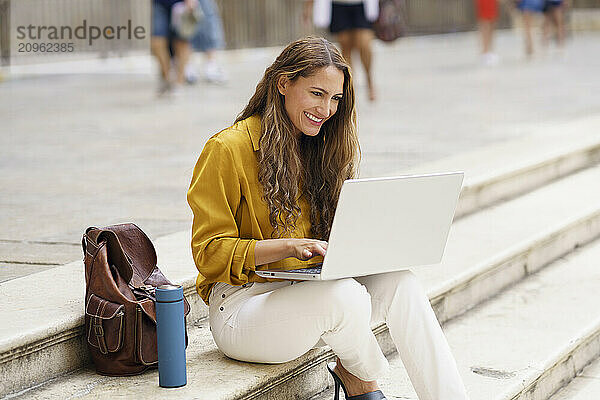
x=168 y=293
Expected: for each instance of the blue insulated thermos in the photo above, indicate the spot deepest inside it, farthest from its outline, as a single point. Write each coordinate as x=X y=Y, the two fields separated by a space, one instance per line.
x=170 y=332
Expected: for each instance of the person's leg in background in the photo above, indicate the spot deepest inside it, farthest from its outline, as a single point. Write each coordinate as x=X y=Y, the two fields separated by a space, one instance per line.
x=554 y=22
x=487 y=13
x=486 y=27
x=161 y=52
x=159 y=43
x=341 y=26
x=529 y=8
x=362 y=39
x=346 y=42
x=208 y=39
x=353 y=31
x=547 y=24
x=182 y=55
x=528 y=31
x=399 y=300
x=278 y=322
x=558 y=16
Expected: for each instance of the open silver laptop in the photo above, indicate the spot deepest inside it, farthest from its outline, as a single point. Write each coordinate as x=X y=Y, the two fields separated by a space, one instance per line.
x=385 y=224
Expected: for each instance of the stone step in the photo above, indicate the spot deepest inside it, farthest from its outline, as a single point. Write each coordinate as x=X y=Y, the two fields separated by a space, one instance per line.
x=486 y=252
x=508 y=169
x=585 y=386
x=496 y=247
x=527 y=342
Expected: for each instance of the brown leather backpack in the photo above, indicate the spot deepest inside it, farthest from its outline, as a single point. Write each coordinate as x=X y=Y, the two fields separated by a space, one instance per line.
x=120 y=314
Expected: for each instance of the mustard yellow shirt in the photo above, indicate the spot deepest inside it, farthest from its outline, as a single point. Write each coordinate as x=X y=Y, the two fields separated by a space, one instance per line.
x=229 y=214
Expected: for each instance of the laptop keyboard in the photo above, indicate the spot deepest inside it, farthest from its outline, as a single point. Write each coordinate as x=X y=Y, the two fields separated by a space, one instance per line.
x=311 y=270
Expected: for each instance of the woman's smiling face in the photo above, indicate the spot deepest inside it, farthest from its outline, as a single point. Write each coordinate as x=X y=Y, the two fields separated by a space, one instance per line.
x=311 y=101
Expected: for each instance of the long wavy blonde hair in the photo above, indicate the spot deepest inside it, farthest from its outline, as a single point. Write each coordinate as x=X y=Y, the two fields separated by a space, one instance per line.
x=315 y=165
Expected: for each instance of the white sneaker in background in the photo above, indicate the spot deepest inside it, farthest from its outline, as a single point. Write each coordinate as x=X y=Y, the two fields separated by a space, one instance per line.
x=191 y=76
x=490 y=59
x=213 y=73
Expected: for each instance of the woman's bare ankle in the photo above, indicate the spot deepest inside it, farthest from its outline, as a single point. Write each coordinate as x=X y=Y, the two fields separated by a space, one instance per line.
x=354 y=385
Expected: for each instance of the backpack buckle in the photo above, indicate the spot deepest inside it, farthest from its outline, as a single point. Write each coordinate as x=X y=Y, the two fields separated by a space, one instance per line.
x=98 y=330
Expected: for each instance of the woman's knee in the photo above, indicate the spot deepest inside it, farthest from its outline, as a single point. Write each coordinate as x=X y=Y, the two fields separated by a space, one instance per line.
x=406 y=280
x=406 y=284
x=394 y=284
x=347 y=295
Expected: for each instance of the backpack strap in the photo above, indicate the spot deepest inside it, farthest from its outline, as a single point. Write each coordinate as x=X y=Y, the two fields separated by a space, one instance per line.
x=99 y=333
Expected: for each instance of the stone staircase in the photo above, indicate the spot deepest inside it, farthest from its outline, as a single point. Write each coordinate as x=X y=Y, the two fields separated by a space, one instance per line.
x=586 y=386
x=516 y=291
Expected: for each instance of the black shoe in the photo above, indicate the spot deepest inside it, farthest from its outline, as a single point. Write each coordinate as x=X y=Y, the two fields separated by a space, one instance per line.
x=376 y=395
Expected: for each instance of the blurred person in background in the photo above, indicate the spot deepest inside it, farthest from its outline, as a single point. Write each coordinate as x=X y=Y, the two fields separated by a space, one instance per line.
x=351 y=21
x=554 y=20
x=208 y=39
x=487 y=13
x=162 y=30
x=529 y=8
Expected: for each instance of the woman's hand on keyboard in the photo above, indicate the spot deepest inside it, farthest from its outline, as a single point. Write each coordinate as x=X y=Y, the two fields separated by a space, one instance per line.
x=271 y=250
x=305 y=249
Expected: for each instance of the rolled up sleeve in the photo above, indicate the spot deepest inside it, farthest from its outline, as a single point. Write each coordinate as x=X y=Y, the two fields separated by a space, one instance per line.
x=214 y=196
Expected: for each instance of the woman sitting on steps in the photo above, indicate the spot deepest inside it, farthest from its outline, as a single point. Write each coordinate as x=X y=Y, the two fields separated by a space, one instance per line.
x=263 y=194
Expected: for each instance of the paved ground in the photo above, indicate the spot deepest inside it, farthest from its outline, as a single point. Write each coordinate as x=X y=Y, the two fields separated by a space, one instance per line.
x=95 y=146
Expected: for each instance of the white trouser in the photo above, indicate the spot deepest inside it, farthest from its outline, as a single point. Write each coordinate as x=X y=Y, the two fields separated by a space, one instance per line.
x=277 y=322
